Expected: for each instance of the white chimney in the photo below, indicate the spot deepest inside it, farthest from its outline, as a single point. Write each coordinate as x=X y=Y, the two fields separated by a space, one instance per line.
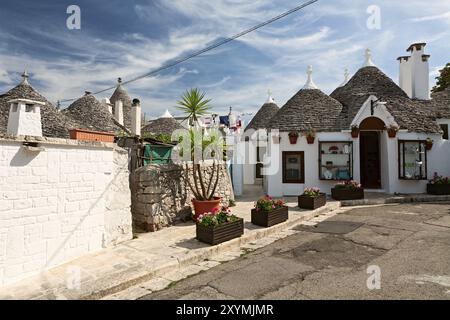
x=25 y=118
x=136 y=117
x=414 y=72
x=118 y=111
x=105 y=102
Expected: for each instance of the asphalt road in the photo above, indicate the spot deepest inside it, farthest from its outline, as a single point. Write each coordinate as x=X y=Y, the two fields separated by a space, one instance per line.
x=408 y=244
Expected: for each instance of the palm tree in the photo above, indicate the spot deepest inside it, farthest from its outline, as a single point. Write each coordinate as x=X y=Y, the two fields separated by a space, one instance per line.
x=194 y=104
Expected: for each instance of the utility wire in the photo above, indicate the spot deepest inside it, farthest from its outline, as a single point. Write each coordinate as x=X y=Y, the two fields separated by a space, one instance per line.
x=209 y=48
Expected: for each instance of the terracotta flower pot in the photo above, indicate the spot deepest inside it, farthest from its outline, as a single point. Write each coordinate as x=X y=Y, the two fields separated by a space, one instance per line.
x=293 y=139
x=310 y=139
x=355 y=133
x=392 y=133
x=200 y=207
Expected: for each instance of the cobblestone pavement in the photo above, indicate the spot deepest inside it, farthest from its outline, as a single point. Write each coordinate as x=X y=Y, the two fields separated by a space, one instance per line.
x=409 y=243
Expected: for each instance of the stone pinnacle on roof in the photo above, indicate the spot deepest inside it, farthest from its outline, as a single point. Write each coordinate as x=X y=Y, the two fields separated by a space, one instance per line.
x=270 y=98
x=309 y=83
x=346 y=77
x=25 y=77
x=368 y=56
x=167 y=114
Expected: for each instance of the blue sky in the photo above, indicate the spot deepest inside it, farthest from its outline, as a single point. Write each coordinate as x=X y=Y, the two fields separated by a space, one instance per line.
x=128 y=38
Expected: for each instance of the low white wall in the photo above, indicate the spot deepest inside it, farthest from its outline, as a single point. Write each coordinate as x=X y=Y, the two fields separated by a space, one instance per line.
x=60 y=203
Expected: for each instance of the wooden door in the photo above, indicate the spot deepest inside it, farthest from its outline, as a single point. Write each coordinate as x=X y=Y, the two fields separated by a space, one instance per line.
x=370 y=160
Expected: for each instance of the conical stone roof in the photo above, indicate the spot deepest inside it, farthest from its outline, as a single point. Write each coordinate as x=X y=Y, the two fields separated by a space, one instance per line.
x=54 y=123
x=308 y=109
x=93 y=115
x=121 y=94
x=409 y=114
x=262 y=118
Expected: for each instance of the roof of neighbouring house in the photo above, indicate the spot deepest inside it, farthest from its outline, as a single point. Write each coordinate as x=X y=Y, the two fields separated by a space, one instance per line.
x=166 y=124
x=93 y=115
x=121 y=94
x=308 y=109
x=439 y=104
x=54 y=123
x=409 y=114
x=262 y=117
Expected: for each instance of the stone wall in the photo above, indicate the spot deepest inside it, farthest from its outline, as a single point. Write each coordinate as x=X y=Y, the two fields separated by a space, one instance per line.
x=59 y=200
x=161 y=195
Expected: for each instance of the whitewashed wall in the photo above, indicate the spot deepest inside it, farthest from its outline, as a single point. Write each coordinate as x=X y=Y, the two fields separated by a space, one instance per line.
x=60 y=203
x=438 y=161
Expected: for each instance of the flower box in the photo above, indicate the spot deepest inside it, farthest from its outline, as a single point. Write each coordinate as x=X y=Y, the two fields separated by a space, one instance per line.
x=312 y=203
x=220 y=233
x=270 y=218
x=87 y=135
x=438 y=189
x=347 y=194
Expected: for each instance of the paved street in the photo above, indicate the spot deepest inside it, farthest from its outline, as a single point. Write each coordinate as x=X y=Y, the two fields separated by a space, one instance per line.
x=409 y=243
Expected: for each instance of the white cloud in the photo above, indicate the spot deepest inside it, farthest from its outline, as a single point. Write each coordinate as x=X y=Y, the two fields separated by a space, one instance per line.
x=442 y=16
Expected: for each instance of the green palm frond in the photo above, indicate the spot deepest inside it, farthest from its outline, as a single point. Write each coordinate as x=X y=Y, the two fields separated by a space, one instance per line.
x=194 y=104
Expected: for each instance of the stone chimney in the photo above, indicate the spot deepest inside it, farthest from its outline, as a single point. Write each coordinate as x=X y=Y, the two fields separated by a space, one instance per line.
x=414 y=72
x=136 y=117
x=25 y=118
x=118 y=111
x=105 y=102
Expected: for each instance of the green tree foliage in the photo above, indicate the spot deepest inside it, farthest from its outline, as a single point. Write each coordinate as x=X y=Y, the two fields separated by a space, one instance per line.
x=443 y=80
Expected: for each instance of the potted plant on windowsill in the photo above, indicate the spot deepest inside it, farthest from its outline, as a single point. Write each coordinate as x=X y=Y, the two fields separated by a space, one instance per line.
x=219 y=226
x=355 y=131
x=293 y=136
x=392 y=131
x=310 y=136
x=312 y=199
x=269 y=212
x=429 y=144
x=439 y=185
x=347 y=190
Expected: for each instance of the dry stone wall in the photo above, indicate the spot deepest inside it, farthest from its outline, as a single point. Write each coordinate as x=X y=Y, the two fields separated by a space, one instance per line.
x=161 y=196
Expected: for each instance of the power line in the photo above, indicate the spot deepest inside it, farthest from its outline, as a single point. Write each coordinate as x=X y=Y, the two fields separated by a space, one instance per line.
x=209 y=48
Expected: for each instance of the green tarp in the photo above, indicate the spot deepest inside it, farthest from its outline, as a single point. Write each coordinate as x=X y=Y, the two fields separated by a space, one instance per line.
x=155 y=154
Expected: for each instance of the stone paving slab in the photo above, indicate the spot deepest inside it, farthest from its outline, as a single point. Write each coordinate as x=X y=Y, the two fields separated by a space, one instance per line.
x=151 y=256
